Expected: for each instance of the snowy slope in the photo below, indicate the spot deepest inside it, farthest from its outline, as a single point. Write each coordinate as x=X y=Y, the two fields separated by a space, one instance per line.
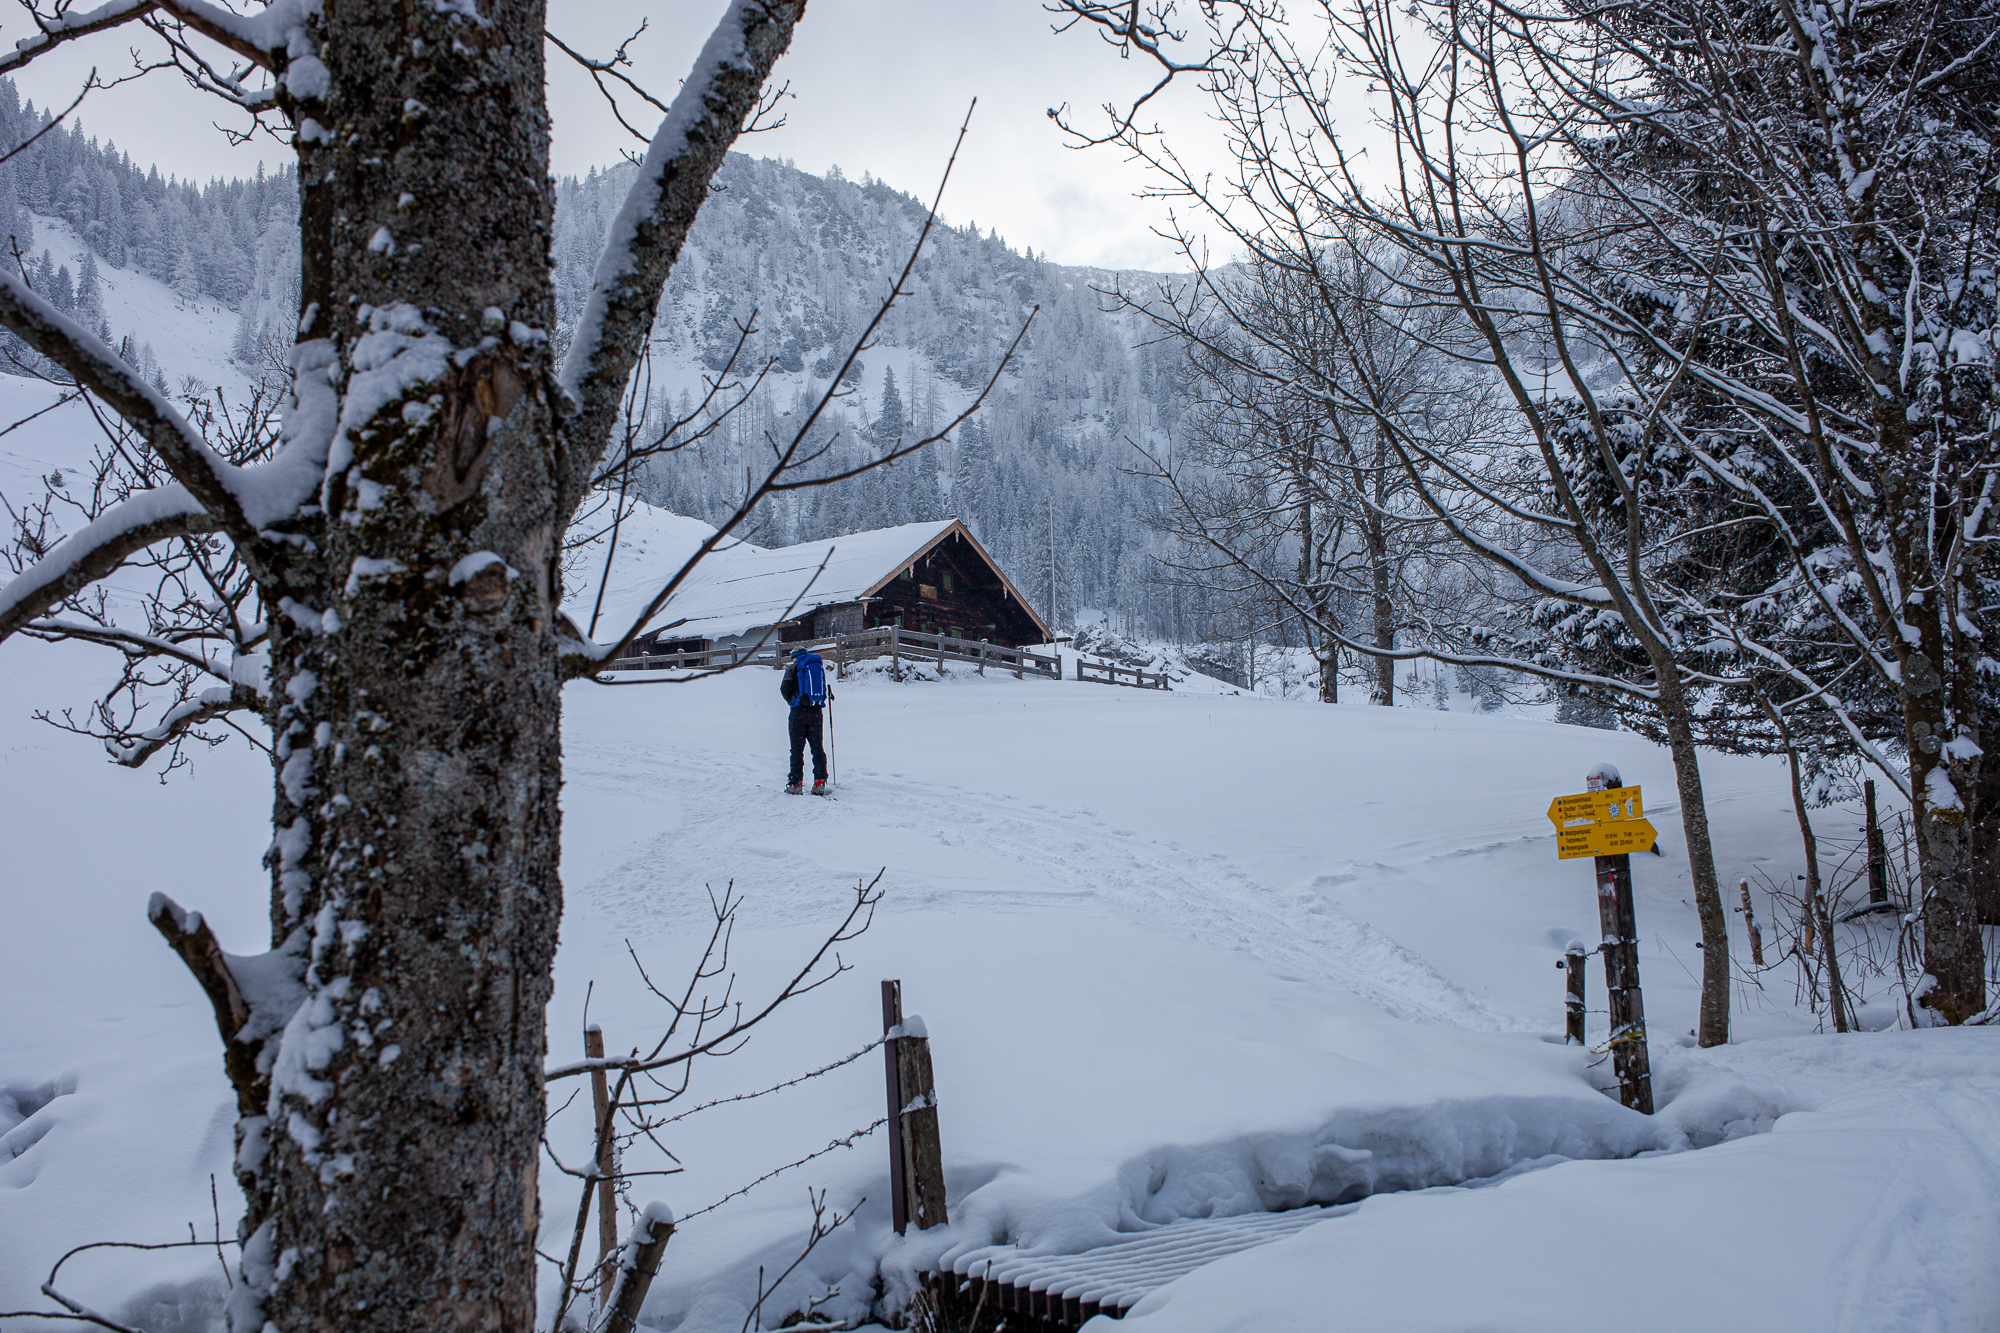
x=190 y=337
x=1178 y=955
x=1169 y=947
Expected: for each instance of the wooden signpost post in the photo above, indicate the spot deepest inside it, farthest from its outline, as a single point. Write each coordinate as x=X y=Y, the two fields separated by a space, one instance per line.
x=1608 y=823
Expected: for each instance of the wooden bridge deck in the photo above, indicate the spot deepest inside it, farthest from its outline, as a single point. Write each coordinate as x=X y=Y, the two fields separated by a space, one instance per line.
x=1062 y=1290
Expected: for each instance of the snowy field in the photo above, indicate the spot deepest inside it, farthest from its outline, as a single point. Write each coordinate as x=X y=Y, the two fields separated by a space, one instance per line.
x=1179 y=956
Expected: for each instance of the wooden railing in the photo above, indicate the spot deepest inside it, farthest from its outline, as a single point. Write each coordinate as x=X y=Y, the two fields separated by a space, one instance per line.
x=1109 y=673
x=892 y=642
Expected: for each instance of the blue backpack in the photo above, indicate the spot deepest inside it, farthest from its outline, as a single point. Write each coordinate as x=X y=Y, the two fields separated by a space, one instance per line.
x=812 y=681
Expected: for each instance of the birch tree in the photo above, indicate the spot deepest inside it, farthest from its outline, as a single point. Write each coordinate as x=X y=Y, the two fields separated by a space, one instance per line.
x=403 y=538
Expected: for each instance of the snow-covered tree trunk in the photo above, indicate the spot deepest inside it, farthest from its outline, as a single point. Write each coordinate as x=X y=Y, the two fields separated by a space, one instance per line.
x=1675 y=720
x=418 y=688
x=405 y=544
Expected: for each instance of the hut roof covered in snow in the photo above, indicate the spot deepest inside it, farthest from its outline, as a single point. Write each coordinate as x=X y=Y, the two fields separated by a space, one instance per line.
x=926 y=575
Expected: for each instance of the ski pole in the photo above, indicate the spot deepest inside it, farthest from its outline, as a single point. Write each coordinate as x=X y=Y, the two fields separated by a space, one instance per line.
x=832 y=758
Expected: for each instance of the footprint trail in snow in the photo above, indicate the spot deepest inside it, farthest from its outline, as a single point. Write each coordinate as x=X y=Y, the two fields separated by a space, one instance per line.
x=948 y=848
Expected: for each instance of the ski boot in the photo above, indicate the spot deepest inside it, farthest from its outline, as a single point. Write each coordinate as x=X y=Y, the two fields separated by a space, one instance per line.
x=795 y=788
x=819 y=786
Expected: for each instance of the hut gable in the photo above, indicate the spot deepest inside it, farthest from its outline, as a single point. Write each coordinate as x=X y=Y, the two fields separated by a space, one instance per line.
x=929 y=576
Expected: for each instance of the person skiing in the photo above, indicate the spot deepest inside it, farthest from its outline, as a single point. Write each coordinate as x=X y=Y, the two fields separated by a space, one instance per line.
x=804 y=688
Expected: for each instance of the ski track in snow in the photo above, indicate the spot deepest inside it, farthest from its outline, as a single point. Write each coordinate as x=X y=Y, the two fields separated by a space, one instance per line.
x=735 y=826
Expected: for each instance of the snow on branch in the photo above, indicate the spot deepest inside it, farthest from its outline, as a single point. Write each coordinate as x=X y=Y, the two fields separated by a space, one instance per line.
x=720 y=93
x=260 y=37
x=136 y=749
x=240 y=501
x=97 y=549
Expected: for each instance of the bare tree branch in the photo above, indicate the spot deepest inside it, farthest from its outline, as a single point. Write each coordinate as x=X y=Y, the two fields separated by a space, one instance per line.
x=720 y=94
x=98 y=549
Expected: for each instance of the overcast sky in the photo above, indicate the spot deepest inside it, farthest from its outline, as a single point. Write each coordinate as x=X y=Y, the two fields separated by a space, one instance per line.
x=878 y=86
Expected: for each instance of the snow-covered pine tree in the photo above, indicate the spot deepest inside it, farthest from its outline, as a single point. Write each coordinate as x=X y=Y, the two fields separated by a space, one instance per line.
x=890 y=424
x=62 y=291
x=243 y=347
x=90 y=297
x=186 y=277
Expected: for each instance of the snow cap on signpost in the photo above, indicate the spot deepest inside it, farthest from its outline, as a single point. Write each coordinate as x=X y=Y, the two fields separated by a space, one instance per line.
x=1602 y=776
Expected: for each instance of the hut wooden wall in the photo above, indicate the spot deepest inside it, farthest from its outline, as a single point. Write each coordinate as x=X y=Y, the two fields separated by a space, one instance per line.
x=974 y=606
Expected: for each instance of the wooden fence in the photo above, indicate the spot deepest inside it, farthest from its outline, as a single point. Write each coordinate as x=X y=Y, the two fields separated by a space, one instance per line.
x=1106 y=673
x=890 y=641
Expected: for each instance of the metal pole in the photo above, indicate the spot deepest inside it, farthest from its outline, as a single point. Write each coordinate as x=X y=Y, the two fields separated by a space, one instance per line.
x=892 y=1018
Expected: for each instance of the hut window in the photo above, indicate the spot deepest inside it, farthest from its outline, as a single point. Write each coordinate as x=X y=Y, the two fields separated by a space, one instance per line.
x=947 y=580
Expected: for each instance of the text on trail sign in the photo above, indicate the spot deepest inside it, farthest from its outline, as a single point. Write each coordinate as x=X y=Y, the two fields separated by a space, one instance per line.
x=1601 y=823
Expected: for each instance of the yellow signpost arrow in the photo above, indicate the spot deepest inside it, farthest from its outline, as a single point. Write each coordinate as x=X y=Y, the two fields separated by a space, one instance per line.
x=1601 y=823
x=1620 y=839
x=1597 y=806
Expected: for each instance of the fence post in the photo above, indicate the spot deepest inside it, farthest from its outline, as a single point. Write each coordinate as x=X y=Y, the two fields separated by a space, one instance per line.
x=895 y=649
x=1618 y=920
x=607 y=1190
x=916 y=1160
x=1573 y=1009
x=1750 y=924
x=1878 y=856
x=638 y=1266
x=892 y=1019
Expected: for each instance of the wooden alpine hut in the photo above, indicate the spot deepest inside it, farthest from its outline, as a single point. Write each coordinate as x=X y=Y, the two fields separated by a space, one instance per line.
x=934 y=578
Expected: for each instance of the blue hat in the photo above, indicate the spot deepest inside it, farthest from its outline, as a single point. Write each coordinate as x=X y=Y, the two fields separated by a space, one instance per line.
x=798 y=652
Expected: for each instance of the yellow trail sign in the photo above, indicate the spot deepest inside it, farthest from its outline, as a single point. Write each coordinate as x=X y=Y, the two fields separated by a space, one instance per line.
x=1620 y=839
x=1601 y=823
x=1599 y=807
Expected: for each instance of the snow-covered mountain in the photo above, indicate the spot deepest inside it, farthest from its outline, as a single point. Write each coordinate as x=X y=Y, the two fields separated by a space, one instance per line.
x=203 y=281
x=202 y=278
x=805 y=262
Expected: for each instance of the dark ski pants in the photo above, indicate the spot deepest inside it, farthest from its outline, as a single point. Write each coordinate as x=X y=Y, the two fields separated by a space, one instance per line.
x=808 y=724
